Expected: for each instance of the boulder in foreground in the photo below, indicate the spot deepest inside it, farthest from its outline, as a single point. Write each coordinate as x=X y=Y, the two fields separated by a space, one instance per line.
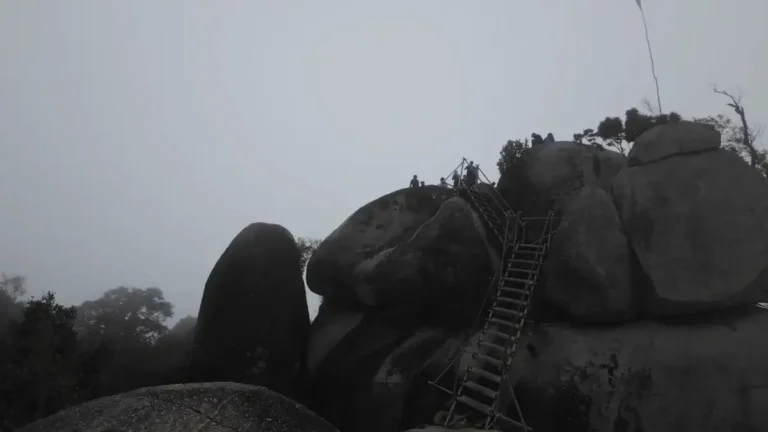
x=203 y=407
x=703 y=374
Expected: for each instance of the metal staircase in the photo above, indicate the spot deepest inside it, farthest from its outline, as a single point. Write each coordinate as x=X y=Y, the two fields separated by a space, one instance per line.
x=476 y=396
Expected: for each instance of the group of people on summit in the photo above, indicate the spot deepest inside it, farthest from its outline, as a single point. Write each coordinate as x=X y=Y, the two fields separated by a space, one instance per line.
x=470 y=178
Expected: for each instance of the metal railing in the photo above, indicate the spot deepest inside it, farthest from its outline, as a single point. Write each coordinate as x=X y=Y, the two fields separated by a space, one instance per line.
x=498 y=199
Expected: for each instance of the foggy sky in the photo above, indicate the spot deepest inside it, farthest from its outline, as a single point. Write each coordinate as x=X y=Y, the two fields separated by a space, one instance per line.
x=138 y=137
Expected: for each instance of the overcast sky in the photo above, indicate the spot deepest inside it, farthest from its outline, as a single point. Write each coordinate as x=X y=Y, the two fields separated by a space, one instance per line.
x=138 y=137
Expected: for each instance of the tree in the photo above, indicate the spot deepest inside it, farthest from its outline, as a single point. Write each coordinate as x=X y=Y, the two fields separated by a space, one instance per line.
x=307 y=246
x=184 y=329
x=40 y=372
x=619 y=134
x=126 y=315
x=739 y=137
x=13 y=286
x=510 y=153
x=11 y=289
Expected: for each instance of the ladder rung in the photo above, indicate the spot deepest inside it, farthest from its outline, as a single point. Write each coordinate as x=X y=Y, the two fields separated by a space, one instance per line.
x=524 y=261
x=514 y=279
x=488 y=359
x=497 y=333
x=517 y=291
x=485 y=374
x=507 y=311
x=497 y=347
x=477 y=406
x=519 y=270
x=506 y=323
x=485 y=391
x=530 y=246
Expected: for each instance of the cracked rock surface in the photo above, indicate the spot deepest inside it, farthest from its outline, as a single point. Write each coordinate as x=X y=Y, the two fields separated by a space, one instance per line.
x=200 y=407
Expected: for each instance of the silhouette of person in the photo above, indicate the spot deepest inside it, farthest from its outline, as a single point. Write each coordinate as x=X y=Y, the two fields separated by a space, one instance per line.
x=471 y=177
x=443 y=183
x=456 y=179
x=414 y=181
x=422 y=184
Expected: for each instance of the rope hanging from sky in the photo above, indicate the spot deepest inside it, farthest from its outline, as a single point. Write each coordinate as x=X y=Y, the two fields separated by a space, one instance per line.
x=650 y=54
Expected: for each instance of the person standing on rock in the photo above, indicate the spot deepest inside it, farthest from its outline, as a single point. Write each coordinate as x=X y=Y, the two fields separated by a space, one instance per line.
x=443 y=183
x=414 y=181
x=456 y=179
x=471 y=177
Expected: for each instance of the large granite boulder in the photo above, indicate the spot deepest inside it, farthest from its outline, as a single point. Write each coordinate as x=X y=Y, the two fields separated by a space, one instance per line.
x=204 y=407
x=588 y=268
x=253 y=322
x=344 y=257
x=394 y=392
x=704 y=374
x=339 y=388
x=698 y=224
x=329 y=327
x=448 y=263
x=671 y=139
x=545 y=175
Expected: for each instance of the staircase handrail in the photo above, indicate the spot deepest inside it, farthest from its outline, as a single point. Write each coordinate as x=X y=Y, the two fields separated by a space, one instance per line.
x=503 y=204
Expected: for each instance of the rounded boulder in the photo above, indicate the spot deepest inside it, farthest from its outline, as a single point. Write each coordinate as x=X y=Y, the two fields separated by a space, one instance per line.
x=588 y=267
x=343 y=258
x=253 y=323
x=698 y=224
x=705 y=374
x=203 y=407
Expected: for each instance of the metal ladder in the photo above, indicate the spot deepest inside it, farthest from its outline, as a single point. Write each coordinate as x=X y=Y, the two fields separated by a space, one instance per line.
x=479 y=389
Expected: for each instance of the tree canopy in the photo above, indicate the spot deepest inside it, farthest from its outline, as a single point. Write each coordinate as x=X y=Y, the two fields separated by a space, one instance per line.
x=130 y=315
x=511 y=152
x=619 y=134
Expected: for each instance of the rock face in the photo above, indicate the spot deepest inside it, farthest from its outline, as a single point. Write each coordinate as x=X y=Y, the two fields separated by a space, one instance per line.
x=329 y=327
x=699 y=227
x=607 y=163
x=343 y=258
x=588 y=267
x=545 y=175
x=253 y=322
x=204 y=407
x=704 y=375
x=412 y=292
x=673 y=139
x=447 y=261
x=340 y=388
